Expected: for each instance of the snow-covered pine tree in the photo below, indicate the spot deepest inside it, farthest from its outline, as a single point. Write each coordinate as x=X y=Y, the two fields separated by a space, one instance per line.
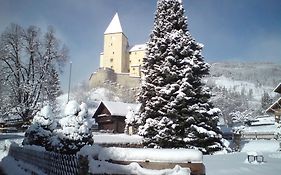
x=266 y=100
x=40 y=131
x=75 y=131
x=176 y=111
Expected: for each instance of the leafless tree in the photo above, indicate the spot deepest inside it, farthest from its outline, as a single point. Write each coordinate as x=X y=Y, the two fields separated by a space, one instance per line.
x=30 y=64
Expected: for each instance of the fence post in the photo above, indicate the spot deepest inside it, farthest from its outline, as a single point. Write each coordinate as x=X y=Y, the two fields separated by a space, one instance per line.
x=237 y=140
x=83 y=165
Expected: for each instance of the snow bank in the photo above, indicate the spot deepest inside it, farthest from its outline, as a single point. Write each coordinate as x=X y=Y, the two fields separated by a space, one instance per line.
x=12 y=166
x=152 y=155
x=141 y=154
x=105 y=155
x=261 y=146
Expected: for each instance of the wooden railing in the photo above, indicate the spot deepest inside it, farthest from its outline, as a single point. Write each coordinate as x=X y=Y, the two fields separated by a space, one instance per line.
x=49 y=162
x=258 y=135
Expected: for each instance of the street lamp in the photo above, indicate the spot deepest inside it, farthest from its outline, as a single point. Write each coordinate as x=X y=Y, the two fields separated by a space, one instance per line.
x=69 y=81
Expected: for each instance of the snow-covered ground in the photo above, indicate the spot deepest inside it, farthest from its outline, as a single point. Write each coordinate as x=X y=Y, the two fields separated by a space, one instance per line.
x=237 y=164
x=230 y=164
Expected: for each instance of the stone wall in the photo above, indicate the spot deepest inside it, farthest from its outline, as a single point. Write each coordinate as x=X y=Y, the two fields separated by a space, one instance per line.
x=122 y=84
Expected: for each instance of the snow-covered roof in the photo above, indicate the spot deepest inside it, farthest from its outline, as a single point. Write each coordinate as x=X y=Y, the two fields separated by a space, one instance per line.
x=120 y=108
x=138 y=47
x=278 y=89
x=275 y=106
x=114 y=26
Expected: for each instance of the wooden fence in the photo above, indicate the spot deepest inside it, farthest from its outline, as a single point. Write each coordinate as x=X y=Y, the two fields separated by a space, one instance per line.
x=49 y=162
x=258 y=135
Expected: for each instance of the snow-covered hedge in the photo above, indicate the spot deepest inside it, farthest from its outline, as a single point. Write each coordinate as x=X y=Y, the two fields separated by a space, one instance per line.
x=75 y=131
x=40 y=130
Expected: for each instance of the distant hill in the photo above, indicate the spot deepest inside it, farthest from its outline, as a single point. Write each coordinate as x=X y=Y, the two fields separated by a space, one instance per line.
x=241 y=86
x=245 y=76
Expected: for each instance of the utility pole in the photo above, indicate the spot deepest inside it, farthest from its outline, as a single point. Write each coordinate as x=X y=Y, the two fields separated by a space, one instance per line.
x=69 y=81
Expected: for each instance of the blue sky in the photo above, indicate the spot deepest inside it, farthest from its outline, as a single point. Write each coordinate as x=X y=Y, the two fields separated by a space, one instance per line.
x=231 y=30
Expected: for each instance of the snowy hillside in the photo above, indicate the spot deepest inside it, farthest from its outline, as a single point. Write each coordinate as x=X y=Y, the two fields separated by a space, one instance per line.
x=240 y=86
x=256 y=77
x=245 y=88
x=259 y=73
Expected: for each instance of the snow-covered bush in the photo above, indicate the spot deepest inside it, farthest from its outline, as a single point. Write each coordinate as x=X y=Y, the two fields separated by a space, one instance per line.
x=75 y=131
x=40 y=131
x=132 y=120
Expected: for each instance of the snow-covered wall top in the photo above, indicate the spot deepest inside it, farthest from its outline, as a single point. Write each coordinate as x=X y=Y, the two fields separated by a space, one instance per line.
x=149 y=154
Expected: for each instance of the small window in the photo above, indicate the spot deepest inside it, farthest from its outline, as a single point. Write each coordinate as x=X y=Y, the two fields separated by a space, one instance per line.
x=133 y=68
x=111 y=59
x=113 y=53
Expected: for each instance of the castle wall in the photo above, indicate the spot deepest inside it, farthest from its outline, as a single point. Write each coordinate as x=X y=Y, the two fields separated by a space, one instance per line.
x=98 y=78
x=127 y=81
x=104 y=75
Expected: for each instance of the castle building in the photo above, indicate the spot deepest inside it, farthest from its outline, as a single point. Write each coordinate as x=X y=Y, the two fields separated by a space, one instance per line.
x=120 y=63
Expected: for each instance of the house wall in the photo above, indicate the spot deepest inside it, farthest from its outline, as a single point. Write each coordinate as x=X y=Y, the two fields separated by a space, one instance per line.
x=111 y=123
x=136 y=59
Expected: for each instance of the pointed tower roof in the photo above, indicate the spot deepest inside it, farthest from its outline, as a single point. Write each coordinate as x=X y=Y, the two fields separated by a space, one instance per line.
x=114 y=26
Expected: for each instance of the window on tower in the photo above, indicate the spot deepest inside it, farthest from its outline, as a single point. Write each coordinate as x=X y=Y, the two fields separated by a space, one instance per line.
x=111 y=59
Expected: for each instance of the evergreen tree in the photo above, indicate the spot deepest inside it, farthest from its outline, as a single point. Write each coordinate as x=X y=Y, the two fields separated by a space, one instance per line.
x=176 y=111
x=266 y=101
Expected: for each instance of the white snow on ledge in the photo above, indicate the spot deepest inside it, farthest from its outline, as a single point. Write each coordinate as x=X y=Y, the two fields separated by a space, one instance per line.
x=152 y=155
x=100 y=160
x=141 y=154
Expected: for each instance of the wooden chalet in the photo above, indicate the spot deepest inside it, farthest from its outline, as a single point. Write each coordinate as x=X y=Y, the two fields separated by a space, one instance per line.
x=275 y=108
x=110 y=116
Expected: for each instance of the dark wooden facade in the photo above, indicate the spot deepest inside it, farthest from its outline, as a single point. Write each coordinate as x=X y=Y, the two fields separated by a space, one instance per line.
x=275 y=108
x=108 y=122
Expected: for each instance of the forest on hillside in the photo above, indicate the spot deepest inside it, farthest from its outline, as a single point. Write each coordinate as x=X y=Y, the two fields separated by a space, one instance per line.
x=243 y=90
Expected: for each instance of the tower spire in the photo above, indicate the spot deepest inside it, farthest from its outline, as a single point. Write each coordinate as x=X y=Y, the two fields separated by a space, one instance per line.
x=114 y=26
